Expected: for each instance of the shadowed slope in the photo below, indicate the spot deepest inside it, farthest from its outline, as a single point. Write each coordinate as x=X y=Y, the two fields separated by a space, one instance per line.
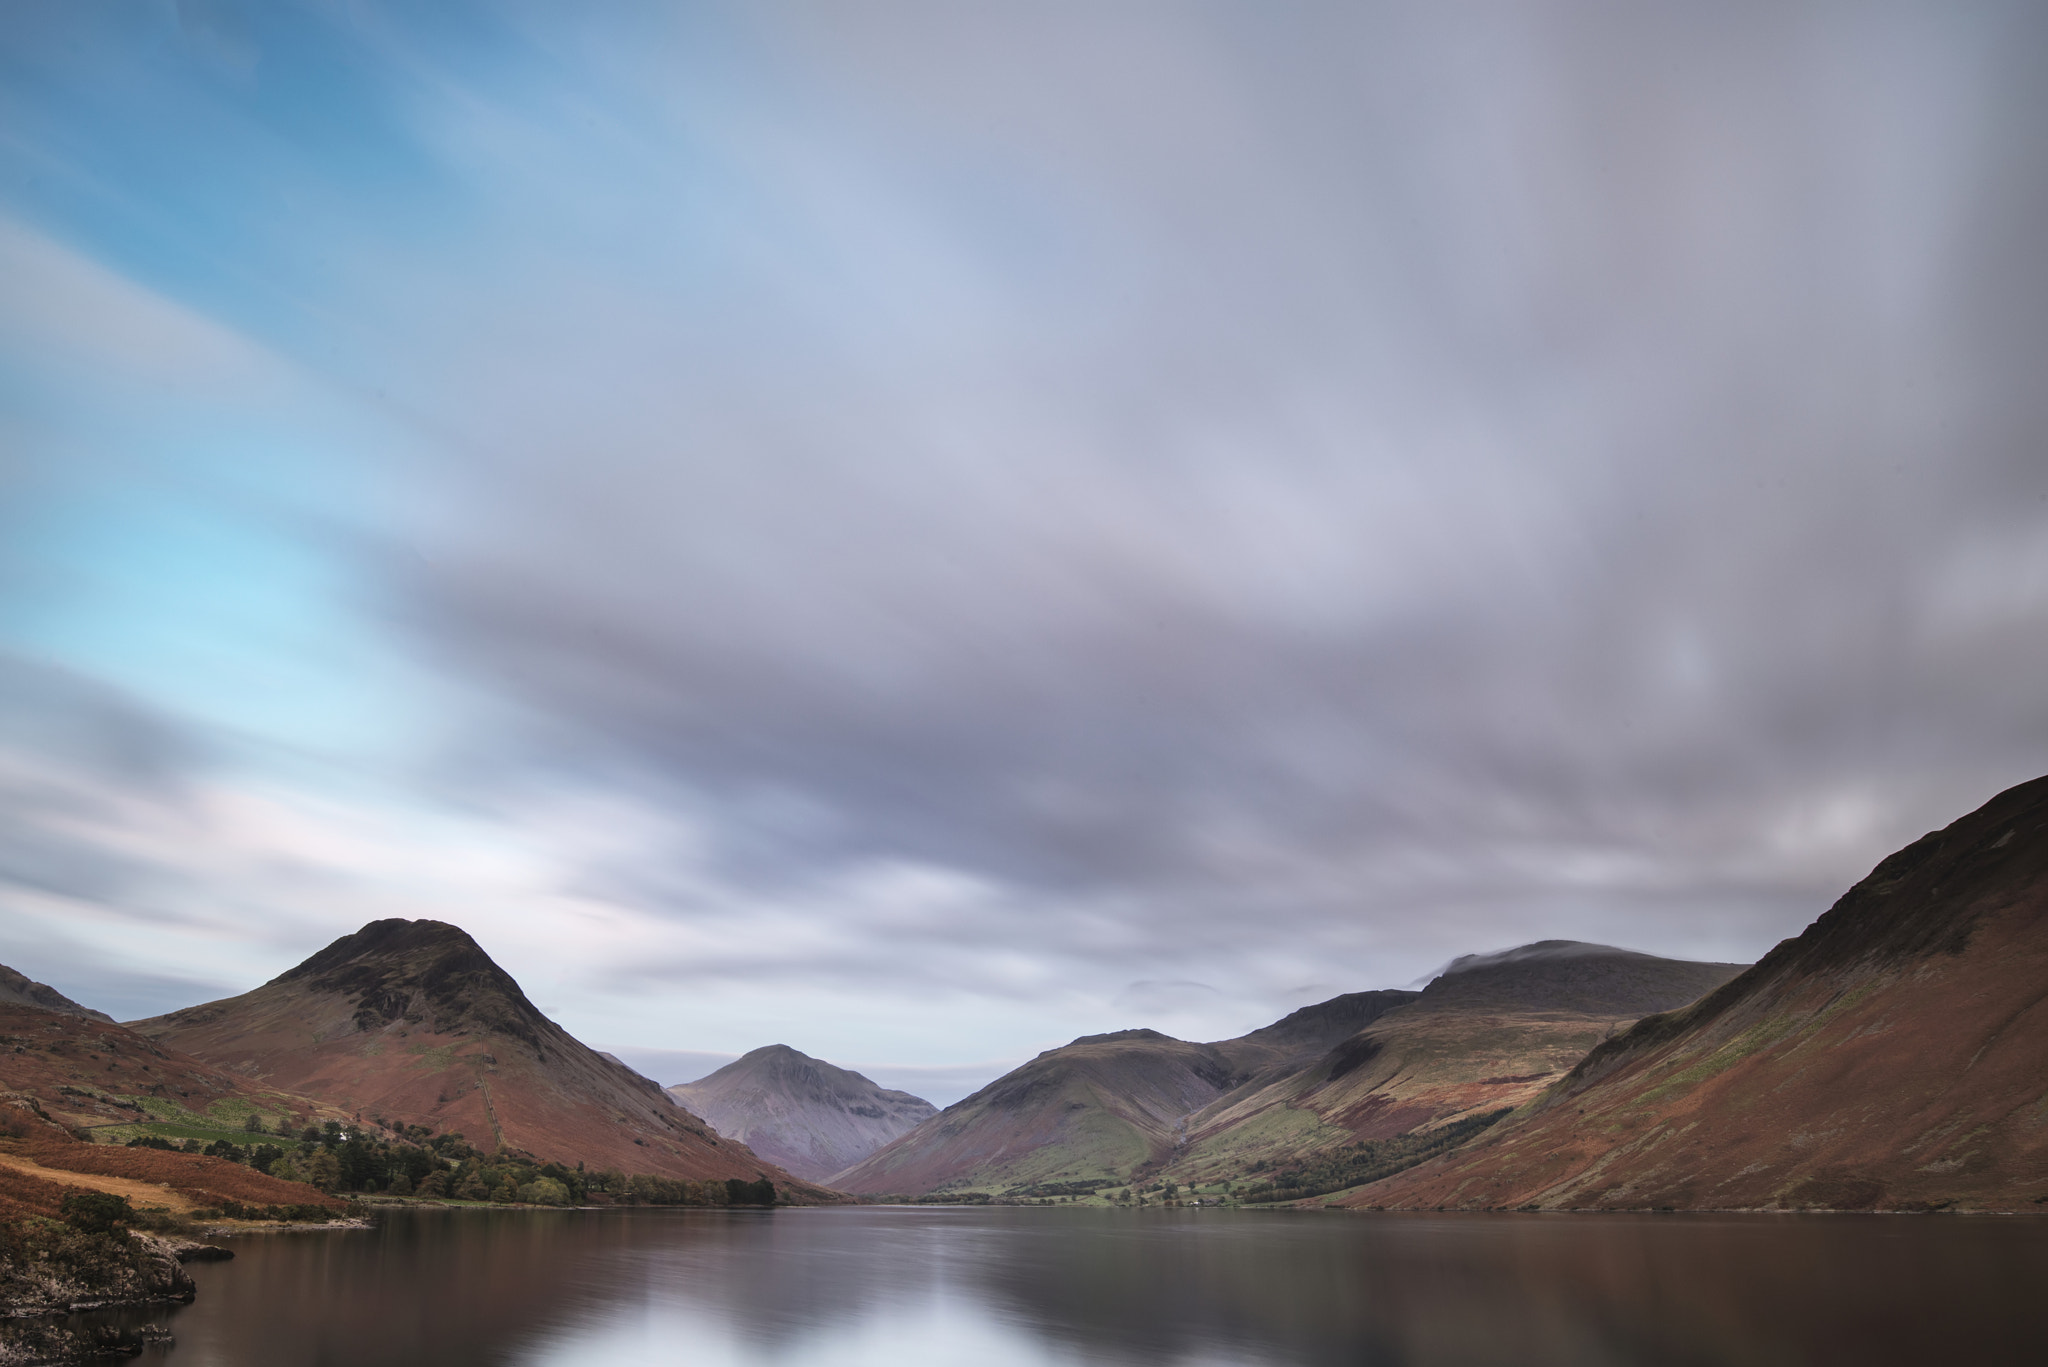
x=412 y=1021
x=17 y=990
x=1891 y=1057
x=799 y=1112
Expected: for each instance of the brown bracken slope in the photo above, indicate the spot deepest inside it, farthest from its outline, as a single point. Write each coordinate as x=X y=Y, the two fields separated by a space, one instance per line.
x=1892 y=1057
x=411 y=1022
x=1492 y=1031
x=86 y=1073
x=62 y=1072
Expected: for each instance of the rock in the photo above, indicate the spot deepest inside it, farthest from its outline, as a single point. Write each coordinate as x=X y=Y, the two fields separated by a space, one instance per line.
x=192 y=1251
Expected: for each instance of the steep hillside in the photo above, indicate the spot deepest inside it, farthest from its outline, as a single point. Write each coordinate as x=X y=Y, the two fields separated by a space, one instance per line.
x=1100 y=1109
x=1490 y=1032
x=64 y=1075
x=411 y=1021
x=801 y=1113
x=17 y=990
x=1892 y=1057
x=92 y=1075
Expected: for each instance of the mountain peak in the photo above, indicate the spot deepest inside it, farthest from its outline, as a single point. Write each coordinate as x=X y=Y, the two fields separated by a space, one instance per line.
x=17 y=989
x=419 y=970
x=809 y=1116
x=1123 y=1037
x=1572 y=975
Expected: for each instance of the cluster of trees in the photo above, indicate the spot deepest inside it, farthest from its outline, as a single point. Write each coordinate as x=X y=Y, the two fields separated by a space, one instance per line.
x=334 y=1157
x=1366 y=1161
x=643 y=1190
x=415 y=1162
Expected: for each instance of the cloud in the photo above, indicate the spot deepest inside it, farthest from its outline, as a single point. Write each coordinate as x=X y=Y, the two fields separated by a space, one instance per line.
x=830 y=523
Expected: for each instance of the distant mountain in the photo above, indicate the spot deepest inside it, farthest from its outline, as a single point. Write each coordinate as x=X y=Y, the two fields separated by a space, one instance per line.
x=411 y=1021
x=17 y=990
x=1099 y=1109
x=1892 y=1057
x=1488 y=1033
x=801 y=1113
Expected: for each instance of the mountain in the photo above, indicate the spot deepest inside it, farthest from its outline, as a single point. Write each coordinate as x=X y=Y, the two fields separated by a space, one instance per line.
x=1490 y=1032
x=1097 y=1110
x=84 y=1073
x=411 y=1022
x=17 y=990
x=65 y=1076
x=1891 y=1057
x=801 y=1113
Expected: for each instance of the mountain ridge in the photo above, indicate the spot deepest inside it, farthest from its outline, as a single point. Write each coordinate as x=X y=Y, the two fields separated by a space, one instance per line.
x=17 y=989
x=1131 y=1104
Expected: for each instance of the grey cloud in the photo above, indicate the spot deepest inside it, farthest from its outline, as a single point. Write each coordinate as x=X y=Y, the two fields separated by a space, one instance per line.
x=1450 y=472
x=1297 y=492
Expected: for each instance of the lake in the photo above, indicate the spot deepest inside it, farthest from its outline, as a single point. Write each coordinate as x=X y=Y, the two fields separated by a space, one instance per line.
x=1011 y=1287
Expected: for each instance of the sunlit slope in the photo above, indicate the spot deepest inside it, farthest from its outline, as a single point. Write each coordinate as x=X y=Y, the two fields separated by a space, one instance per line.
x=1892 y=1057
x=801 y=1113
x=413 y=1022
x=1105 y=1108
x=1488 y=1033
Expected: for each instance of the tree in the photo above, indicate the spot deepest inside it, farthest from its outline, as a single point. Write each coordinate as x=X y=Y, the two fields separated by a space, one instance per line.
x=96 y=1212
x=544 y=1191
x=472 y=1188
x=323 y=1170
x=253 y=1123
x=506 y=1191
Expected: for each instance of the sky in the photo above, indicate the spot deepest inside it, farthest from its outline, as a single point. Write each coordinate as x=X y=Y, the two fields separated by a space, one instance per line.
x=921 y=530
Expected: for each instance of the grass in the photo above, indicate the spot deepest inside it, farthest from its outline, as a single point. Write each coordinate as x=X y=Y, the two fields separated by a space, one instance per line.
x=205 y=1134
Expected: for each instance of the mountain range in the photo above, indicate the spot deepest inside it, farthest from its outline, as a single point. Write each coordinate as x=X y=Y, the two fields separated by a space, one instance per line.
x=1891 y=1057
x=800 y=1113
x=1136 y=1105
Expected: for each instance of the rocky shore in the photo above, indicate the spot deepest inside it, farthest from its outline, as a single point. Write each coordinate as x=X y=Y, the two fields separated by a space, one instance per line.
x=49 y=1272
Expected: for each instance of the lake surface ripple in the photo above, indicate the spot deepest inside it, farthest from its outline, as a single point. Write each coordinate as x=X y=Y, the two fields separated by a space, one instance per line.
x=1012 y=1287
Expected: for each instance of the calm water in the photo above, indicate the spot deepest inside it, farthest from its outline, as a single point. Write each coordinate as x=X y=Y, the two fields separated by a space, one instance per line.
x=997 y=1288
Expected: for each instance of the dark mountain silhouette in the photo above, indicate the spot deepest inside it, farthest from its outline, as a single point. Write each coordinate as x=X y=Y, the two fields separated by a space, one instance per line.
x=1892 y=1057
x=17 y=990
x=801 y=1113
x=411 y=1021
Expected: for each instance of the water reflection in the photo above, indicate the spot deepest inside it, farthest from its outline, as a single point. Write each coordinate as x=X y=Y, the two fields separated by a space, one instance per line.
x=1031 y=1287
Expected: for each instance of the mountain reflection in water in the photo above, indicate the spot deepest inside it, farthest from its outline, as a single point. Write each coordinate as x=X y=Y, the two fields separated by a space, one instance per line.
x=1032 y=1286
